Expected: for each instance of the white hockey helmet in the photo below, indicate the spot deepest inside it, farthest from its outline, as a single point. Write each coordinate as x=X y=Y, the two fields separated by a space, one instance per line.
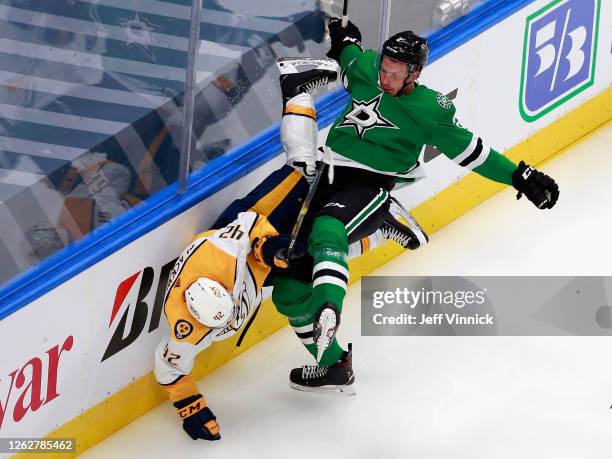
x=210 y=303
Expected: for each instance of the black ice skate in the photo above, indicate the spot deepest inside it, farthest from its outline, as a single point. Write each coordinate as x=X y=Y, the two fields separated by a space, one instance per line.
x=300 y=74
x=335 y=379
x=401 y=227
x=325 y=327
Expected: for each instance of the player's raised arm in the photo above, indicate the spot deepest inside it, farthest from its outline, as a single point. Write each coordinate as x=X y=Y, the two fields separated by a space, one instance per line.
x=472 y=152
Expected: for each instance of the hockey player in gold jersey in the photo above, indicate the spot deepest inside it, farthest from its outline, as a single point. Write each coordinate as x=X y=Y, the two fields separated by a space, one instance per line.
x=213 y=289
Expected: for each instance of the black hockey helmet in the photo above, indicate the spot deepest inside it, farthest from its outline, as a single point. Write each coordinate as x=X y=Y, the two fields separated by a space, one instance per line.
x=408 y=48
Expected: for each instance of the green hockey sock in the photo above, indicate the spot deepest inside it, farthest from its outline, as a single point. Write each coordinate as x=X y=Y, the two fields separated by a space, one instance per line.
x=328 y=244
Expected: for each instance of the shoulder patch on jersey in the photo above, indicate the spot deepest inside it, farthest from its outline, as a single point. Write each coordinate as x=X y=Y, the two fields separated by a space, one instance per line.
x=182 y=329
x=444 y=101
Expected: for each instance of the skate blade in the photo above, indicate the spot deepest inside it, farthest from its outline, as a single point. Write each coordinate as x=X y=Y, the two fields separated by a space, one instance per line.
x=346 y=391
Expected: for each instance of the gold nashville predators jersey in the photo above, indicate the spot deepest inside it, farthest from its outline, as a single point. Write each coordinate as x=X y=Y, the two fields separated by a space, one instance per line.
x=225 y=256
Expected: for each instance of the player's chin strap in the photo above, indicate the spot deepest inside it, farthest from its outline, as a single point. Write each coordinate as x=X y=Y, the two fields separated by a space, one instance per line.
x=401 y=91
x=411 y=69
x=328 y=158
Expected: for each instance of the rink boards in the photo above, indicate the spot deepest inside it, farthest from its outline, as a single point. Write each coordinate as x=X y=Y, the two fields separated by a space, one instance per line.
x=530 y=85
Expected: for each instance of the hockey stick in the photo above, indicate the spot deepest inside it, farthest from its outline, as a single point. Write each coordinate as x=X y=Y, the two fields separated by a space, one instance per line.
x=303 y=210
x=385 y=15
x=345 y=14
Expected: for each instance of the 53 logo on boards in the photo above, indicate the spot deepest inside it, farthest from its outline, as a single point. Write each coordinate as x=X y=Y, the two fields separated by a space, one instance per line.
x=558 y=55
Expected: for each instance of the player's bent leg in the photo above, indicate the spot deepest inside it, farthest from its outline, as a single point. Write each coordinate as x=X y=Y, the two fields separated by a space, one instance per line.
x=328 y=244
x=299 y=133
x=360 y=208
x=299 y=79
x=351 y=215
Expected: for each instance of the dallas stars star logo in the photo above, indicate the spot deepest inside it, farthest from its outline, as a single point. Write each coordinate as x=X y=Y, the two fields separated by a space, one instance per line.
x=138 y=33
x=366 y=115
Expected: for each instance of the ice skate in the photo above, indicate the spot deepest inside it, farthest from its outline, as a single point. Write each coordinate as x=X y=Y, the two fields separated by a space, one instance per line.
x=337 y=378
x=401 y=227
x=304 y=75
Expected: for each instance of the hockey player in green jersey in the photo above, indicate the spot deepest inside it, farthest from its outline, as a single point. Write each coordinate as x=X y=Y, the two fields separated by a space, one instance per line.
x=374 y=144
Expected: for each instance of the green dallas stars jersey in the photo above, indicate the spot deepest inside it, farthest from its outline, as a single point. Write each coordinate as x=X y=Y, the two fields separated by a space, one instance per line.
x=386 y=134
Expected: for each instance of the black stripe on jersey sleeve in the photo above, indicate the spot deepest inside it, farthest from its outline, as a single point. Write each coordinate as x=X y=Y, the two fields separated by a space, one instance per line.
x=255 y=220
x=329 y=272
x=235 y=273
x=475 y=154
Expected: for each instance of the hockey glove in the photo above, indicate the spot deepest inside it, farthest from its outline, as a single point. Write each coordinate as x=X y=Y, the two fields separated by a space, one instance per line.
x=539 y=188
x=270 y=250
x=341 y=37
x=198 y=420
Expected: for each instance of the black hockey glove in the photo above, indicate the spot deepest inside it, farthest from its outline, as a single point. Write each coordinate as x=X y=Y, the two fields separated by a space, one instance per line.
x=341 y=37
x=270 y=250
x=539 y=188
x=198 y=420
